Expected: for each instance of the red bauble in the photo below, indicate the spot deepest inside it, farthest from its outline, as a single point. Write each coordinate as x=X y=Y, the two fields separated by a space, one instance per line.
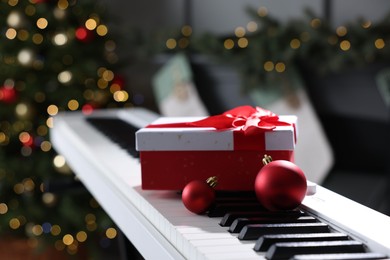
x=198 y=196
x=280 y=185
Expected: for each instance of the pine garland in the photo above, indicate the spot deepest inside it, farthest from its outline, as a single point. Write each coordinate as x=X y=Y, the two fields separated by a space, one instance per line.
x=274 y=50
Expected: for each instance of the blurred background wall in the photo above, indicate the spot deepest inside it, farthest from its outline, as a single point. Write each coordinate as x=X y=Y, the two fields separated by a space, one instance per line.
x=222 y=16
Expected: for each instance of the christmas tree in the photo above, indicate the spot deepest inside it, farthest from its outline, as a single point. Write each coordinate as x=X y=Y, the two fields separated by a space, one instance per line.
x=55 y=55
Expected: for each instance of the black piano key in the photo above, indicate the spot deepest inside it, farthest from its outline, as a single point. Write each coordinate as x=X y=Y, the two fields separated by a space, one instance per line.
x=238 y=200
x=266 y=241
x=342 y=256
x=219 y=210
x=288 y=250
x=118 y=131
x=235 y=195
x=239 y=223
x=254 y=231
x=228 y=218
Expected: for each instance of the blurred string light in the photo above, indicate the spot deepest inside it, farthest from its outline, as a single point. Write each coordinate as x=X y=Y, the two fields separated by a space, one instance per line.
x=63 y=4
x=30 y=10
x=183 y=40
x=295 y=43
x=252 y=26
x=345 y=45
x=14 y=19
x=60 y=39
x=228 y=44
x=26 y=57
x=315 y=23
x=52 y=110
x=366 y=24
x=240 y=31
x=59 y=161
x=73 y=105
x=11 y=33
x=65 y=77
x=171 y=43
x=380 y=43
x=3 y=208
x=262 y=11
x=91 y=24
x=42 y=23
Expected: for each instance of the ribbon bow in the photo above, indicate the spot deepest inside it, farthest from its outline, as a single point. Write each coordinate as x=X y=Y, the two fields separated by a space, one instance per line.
x=248 y=119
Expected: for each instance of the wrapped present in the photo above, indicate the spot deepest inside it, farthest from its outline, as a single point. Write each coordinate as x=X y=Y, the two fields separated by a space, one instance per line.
x=230 y=146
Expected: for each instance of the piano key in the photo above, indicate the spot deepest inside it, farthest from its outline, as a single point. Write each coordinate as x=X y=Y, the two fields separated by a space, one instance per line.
x=242 y=255
x=217 y=246
x=228 y=252
x=187 y=240
x=195 y=220
x=235 y=195
x=199 y=230
x=219 y=210
x=254 y=231
x=266 y=241
x=228 y=218
x=118 y=131
x=231 y=241
x=288 y=250
x=342 y=256
x=194 y=241
x=224 y=248
x=239 y=223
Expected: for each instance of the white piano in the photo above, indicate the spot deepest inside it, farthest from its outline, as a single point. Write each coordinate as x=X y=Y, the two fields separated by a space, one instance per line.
x=157 y=223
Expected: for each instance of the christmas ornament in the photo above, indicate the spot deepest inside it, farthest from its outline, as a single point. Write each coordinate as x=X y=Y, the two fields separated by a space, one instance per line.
x=198 y=196
x=280 y=184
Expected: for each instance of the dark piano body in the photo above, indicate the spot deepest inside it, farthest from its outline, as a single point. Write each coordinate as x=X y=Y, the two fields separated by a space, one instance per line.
x=100 y=148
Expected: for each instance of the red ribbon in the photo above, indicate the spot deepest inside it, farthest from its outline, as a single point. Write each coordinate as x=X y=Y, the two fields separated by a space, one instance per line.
x=248 y=119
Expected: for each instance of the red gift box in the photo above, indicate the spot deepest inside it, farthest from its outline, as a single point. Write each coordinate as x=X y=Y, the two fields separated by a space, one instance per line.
x=175 y=151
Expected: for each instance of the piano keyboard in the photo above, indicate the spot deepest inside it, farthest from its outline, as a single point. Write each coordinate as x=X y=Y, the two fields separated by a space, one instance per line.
x=326 y=226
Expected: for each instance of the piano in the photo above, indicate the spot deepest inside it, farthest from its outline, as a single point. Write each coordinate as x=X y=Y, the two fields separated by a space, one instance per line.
x=100 y=150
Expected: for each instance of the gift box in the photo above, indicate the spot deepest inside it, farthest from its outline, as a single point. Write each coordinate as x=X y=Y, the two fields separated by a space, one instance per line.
x=230 y=146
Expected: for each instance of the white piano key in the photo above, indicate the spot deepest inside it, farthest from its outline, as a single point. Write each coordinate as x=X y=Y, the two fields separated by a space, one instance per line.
x=221 y=245
x=221 y=242
x=242 y=255
x=199 y=230
x=195 y=220
x=205 y=235
x=214 y=249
